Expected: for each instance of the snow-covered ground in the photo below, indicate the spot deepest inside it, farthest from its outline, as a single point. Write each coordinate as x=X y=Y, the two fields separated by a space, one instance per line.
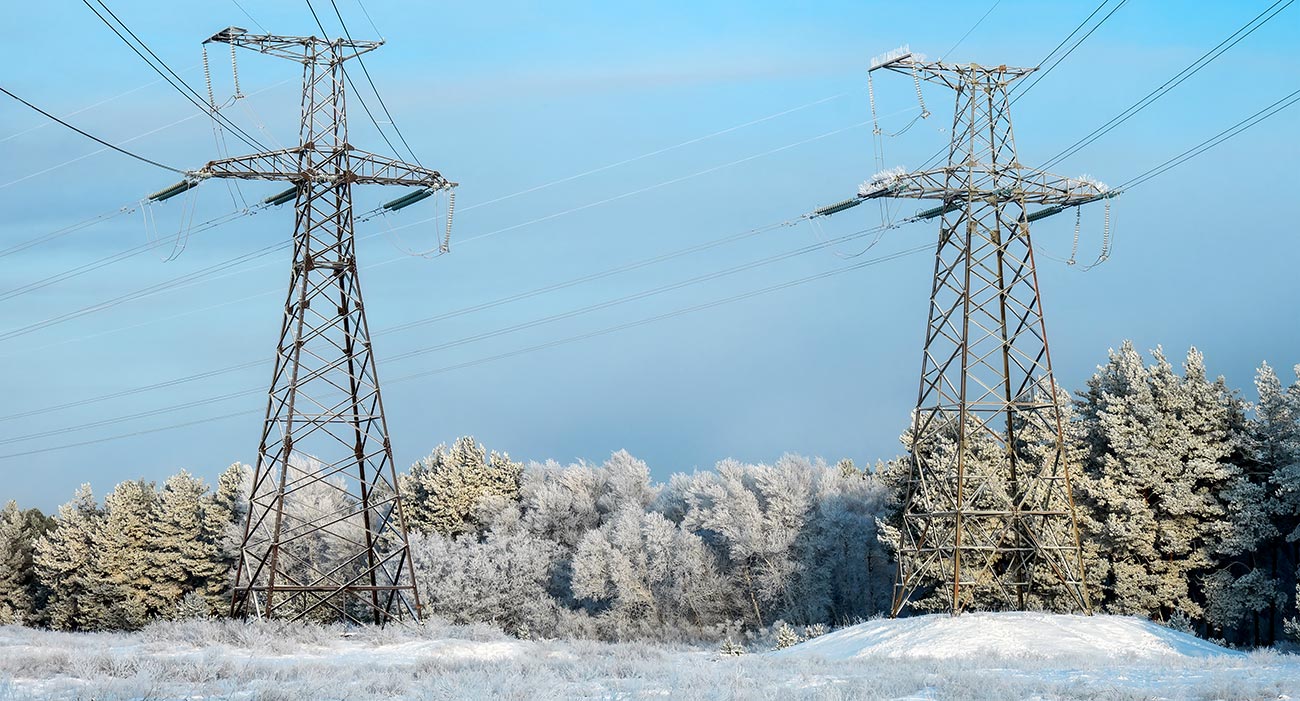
x=1001 y=656
x=1008 y=635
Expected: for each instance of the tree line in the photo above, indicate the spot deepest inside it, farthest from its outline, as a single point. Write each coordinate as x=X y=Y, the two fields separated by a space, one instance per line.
x=1188 y=499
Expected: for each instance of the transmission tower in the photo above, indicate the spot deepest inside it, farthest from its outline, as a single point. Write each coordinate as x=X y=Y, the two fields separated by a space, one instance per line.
x=988 y=517
x=325 y=535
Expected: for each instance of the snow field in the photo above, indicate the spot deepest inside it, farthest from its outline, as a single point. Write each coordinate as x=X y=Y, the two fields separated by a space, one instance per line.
x=268 y=662
x=1007 y=635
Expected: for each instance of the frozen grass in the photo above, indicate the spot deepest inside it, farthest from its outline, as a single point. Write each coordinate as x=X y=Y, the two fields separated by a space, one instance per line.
x=237 y=661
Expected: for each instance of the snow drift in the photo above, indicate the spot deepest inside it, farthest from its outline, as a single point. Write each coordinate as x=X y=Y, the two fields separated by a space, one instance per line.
x=1006 y=635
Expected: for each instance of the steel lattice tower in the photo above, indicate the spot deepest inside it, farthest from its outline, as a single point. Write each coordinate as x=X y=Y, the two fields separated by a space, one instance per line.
x=988 y=511
x=325 y=432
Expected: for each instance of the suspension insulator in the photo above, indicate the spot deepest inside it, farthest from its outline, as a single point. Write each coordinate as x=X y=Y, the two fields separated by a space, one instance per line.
x=834 y=208
x=451 y=209
x=407 y=200
x=170 y=192
x=281 y=197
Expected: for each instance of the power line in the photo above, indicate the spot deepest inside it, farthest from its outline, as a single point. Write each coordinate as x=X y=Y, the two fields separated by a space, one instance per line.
x=128 y=253
x=1066 y=55
x=71 y=228
x=352 y=85
x=1183 y=157
x=972 y=29
x=361 y=61
x=1192 y=69
x=94 y=138
x=638 y=191
x=193 y=277
x=183 y=88
x=87 y=108
x=502 y=331
x=522 y=351
x=628 y=267
x=929 y=162
x=1215 y=140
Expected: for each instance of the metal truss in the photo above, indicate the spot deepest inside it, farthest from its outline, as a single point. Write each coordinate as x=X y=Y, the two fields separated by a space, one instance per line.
x=326 y=536
x=988 y=516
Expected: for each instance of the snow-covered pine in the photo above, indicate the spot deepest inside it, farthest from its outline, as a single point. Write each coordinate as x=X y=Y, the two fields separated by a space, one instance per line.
x=786 y=636
x=442 y=491
x=224 y=513
x=65 y=562
x=186 y=557
x=20 y=594
x=1158 y=472
x=126 y=593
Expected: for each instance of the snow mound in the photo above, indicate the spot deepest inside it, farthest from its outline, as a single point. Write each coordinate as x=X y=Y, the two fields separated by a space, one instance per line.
x=1006 y=635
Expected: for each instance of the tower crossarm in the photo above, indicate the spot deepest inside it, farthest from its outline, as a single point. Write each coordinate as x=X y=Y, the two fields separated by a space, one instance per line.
x=358 y=167
x=1029 y=185
x=295 y=48
x=952 y=75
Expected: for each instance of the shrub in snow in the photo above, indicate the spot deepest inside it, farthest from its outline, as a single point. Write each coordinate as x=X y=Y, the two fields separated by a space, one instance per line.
x=731 y=648
x=193 y=605
x=815 y=630
x=786 y=635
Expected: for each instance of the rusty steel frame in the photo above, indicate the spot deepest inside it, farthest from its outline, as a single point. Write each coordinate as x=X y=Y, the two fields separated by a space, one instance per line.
x=325 y=428
x=993 y=527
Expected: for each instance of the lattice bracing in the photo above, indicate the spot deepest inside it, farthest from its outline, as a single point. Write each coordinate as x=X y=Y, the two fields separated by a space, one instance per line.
x=326 y=536
x=988 y=519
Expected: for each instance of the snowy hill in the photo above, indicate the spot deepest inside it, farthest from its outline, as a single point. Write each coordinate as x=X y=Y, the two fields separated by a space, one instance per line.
x=1006 y=635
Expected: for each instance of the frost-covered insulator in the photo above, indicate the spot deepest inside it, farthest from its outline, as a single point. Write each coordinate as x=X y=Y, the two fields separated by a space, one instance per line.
x=1105 y=234
x=207 y=78
x=451 y=209
x=871 y=98
x=1074 y=249
x=234 y=70
x=916 y=80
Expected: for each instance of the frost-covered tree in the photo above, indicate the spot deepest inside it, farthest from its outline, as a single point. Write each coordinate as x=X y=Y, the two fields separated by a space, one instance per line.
x=502 y=578
x=224 y=513
x=186 y=557
x=66 y=563
x=789 y=545
x=20 y=592
x=1157 y=477
x=442 y=491
x=985 y=476
x=1251 y=592
x=648 y=573
x=126 y=593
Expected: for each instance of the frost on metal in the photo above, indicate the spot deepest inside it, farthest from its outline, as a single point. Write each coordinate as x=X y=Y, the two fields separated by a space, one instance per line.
x=890 y=56
x=1089 y=181
x=881 y=181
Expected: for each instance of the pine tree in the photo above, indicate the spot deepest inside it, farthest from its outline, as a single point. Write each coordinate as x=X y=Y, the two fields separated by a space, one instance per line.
x=185 y=556
x=65 y=561
x=224 y=513
x=127 y=592
x=1158 y=471
x=441 y=492
x=20 y=594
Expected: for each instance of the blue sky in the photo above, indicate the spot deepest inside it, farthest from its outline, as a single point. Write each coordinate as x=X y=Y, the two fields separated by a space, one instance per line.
x=502 y=97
